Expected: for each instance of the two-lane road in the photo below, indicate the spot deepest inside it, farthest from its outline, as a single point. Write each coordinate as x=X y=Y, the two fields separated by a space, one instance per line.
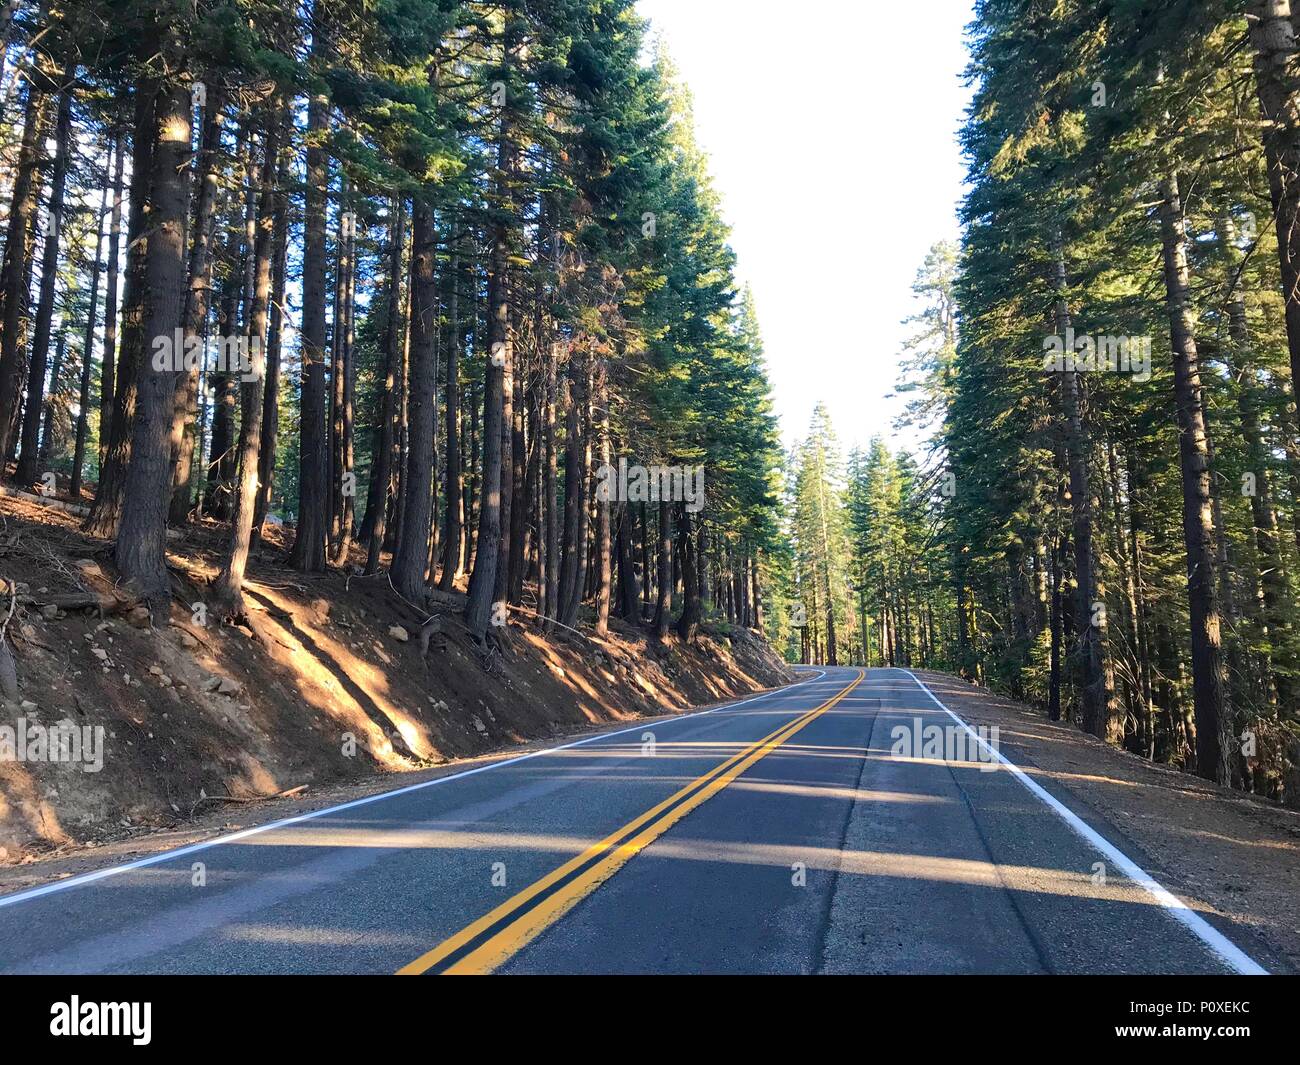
x=784 y=834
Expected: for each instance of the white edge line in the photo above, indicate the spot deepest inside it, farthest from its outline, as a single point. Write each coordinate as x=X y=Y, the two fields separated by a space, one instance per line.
x=1223 y=948
x=194 y=848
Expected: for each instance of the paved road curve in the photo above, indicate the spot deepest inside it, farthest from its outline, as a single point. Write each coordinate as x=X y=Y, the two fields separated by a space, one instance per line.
x=783 y=834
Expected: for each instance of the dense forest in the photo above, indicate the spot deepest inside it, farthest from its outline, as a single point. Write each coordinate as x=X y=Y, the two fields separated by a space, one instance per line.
x=390 y=286
x=439 y=292
x=1107 y=522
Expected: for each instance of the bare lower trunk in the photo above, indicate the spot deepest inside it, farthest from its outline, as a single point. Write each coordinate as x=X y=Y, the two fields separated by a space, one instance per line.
x=604 y=567
x=108 y=356
x=229 y=588
x=29 y=455
x=664 y=579
x=381 y=474
x=348 y=450
x=1213 y=712
x=88 y=344
x=1100 y=716
x=313 y=492
x=140 y=550
x=551 y=574
x=107 y=509
x=196 y=303
x=274 y=345
x=518 y=527
x=506 y=520
x=487 y=582
x=574 y=504
x=453 y=558
x=339 y=374
x=411 y=556
x=629 y=590
x=689 y=622
x=15 y=274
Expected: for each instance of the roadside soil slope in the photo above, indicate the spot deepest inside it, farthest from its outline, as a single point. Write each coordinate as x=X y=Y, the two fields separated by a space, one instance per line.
x=329 y=684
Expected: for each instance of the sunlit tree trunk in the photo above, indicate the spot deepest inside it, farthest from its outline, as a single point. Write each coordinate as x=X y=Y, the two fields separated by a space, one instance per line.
x=207 y=178
x=229 y=588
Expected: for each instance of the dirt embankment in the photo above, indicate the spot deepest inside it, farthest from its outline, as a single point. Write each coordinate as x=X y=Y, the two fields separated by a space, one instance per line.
x=1220 y=850
x=328 y=683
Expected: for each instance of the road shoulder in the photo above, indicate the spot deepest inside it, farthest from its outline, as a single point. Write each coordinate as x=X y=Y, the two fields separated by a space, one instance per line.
x=1235 y=853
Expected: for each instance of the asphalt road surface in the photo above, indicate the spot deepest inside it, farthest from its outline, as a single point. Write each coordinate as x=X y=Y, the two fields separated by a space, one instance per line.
x=808 y=830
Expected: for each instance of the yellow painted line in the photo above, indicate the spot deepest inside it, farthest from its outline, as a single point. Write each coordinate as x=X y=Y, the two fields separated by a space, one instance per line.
x=649 y=826
x=431 y=958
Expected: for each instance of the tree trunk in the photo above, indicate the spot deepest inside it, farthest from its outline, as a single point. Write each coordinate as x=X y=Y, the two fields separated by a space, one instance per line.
x=1277 y=80
x=604 y=566
x=401 y=437
x=15 y=273
x=29 y=453
x=453 y=557
x=140 y=551
x=1099 y=712
x=229 y=587
x=381 y=474
x=308 y=554
x=106 y=511
x=549 y=486
x=689 y=622
x=492 y=555
x=1213 y=712
x=664 y=581
x=266 y=458
x=1239 y=360
x=411 y=556
x=108 y=358
x=52 y=406
x=629 y=589
x=347 y=451
x=221 y=451
x=88 y=344
x=196 y=302
x=574 y=504
x=505 y=551
x=514 y=589
x=338 y=372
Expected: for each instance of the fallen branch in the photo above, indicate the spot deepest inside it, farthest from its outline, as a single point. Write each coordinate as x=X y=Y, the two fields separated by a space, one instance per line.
x=104 y=602
x=290 y=793
x=52 y=502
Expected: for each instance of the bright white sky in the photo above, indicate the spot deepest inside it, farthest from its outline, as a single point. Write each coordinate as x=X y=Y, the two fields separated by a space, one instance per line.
x=831 y=131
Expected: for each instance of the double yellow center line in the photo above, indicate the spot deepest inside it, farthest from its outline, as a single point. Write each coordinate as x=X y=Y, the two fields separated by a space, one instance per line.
x=488 y=942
